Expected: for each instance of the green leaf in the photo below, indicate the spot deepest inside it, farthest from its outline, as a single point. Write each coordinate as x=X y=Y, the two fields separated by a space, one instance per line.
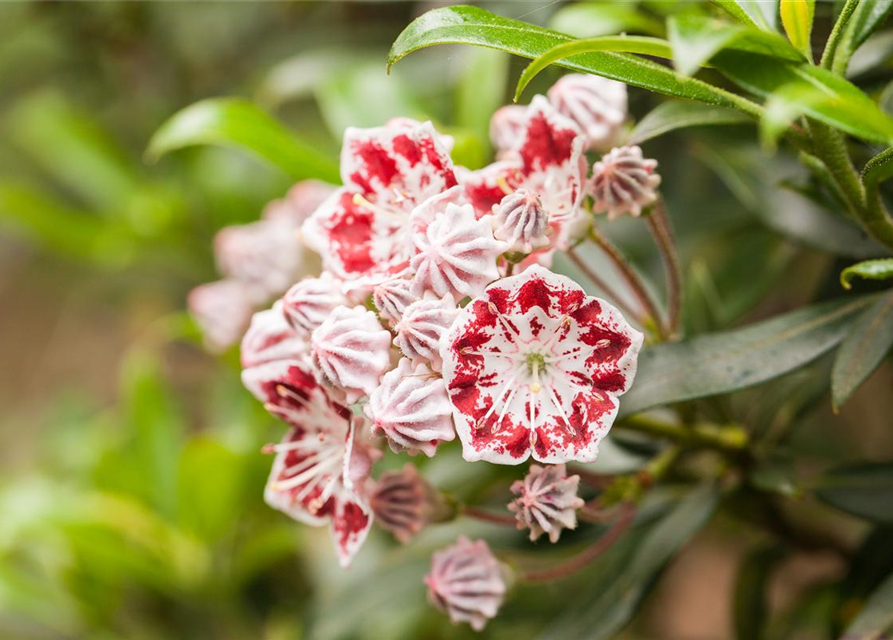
x=863 y=349
x=755 y=13
x=210 y=484
x=868 y=270
x=606 y=607
x=590 y=19
x=868 y=16
x=750 y=605
x=474 y=26
x=678 y=114
x=863 y=490
x=481 y=90
x=718 y=363
x=232 y=122
x=696 y=39
x=797 y=17
x=843 y=106
x=876 y=617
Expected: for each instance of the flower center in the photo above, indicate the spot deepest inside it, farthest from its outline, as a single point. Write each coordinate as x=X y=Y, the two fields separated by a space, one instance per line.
x=536 y=362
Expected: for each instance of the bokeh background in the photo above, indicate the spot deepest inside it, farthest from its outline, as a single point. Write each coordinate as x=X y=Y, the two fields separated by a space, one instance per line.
x=130 y=468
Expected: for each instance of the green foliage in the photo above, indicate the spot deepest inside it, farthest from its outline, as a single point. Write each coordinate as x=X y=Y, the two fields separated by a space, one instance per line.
x=863 y=350
x=864 y=490
x=868 y=270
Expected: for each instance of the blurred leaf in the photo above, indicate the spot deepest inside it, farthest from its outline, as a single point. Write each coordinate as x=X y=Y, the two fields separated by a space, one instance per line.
x=678 y=114
x=750 y=604
x=696 y=39
x=868 y=270
x=210 y=488
x=865 y=347
x=876 y=617
x=874 y=53
x=590 y=19
x=233 y=122
x=755 y=13
x=722 y=362
x=797 y=17
x=298 y=77
x=481 y=90
x=844 y=106
x=863 y=490
x=775 y=475
x=867 y=17
x=610 y=602
x=474 y=26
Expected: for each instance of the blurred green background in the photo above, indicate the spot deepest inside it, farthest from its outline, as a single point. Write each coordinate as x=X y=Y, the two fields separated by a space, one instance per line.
x=131 y=478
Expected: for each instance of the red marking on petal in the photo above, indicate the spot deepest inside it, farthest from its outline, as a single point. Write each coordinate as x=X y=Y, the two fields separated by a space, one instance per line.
x=408 y=149
x=352 y=235
x=546 y=145
x=379 y=165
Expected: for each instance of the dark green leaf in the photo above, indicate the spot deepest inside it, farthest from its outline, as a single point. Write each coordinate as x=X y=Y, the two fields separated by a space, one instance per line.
x=842 y=106
x=238 y=123
x=590 y=19
x=864 y=490
x=863 y=350
x=722 y=362
x=797 y=17
x=868 y=270
x=876 y=617
x=677 y=114
x=751 y=606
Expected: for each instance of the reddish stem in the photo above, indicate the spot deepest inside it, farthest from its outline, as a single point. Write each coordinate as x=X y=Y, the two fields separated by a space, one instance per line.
x=488 y=516
x=601 y=284
x=662 y=231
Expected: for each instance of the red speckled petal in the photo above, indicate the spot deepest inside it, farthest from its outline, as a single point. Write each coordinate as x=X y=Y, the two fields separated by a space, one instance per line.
x=351 y=522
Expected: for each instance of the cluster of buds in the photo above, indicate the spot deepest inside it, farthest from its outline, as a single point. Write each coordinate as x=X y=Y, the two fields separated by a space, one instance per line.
x=436 y=317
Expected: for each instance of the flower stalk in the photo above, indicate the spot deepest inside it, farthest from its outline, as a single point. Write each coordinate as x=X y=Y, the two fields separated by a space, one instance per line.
x=662 y=232
x=728 y=438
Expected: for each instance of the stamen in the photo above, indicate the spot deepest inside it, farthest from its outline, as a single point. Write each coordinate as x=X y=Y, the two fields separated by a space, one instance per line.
x=503 y=184
x=601 y=344
x=360 y=201
x=535 y=386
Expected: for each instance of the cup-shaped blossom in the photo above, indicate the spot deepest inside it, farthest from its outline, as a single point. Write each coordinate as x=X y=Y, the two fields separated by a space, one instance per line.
x=270 y=337
x=352 y=350
x=391 y=297
x=466 y=582
x=456 y=254
x=547 y=501
x=404 y=503
x=506 y=127
x=222 y=310
x=534 y=366
x=410 y=407
x=596 y=104
x=309 y=302
x=522 y=222
x=420 y=329
x=624 y=182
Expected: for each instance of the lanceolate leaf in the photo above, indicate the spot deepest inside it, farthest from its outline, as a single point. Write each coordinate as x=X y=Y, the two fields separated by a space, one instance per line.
x=867 y=17
x=864 y=348
x=876 y=617
x=864 y=490
x=722 y=362
x=869 y=270
x=679 y=114
x=797 y=16
x=474 y=26
x=238 y=123
x=590 y=19
x=751 y=12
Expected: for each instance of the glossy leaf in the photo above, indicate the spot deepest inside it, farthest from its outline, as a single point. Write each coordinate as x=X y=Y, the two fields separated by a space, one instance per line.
x=876 y=617
x=864 y=490
x=844 y=106
x=238 y=123
x=868 y=270
x=474 y=26
x=797 y=17
x=755 y=13
x=590 y=19
x=723 y=362
x=678 y=114
x=863 y=350
x=750 y=603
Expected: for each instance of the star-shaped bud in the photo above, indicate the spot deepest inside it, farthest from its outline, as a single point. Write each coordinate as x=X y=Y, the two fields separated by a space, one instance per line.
x=222 y=310
x=411 y=409
x=534 y=366
x=310 y=301
x=522 y=222
x=466 y=582
x=270 y=337
x=597 y=105
x=352 y=350
x=420 y=329
x=404 y=503
x=547 y=501
x=506 y=127
x=391 y=298
x=456 y=254
x=623 y=182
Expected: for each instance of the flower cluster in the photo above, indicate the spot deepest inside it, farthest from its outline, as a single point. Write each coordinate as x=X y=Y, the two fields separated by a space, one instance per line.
x=436 y=315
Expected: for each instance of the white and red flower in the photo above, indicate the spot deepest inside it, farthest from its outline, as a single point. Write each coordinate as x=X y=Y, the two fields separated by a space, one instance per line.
x=624 y=182
x=309 y=302
x=222 y=310
x=420 y=329
x=534 y=366
x=596 y=104
x=270 y=337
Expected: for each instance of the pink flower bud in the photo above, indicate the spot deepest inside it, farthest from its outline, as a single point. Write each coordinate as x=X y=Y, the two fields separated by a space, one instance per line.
x=404 y=503
x=624 y=182
x=392 y=297
x=222 y=310
x=597 y=105
x=352 y=350
x=547 y=501
x=507 y=126
x=466 y=582
x=309 y=302
x=300 y=201
x=271 y=338
x=419 y=331
x=411 y=409
x=523 y=222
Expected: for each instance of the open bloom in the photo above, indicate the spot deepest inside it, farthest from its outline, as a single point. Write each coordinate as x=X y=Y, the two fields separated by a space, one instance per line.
x=506 y=127
x=597 y=105
x=624 y=182
x=466 y=582
x=547 y=501
x=534 y=366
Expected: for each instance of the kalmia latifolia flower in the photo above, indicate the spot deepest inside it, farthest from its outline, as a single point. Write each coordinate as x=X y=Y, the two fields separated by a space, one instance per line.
x=222 y=310
x=597 y=105
x=466 y=582
x=310 y=301
x=547 y=501
x=456 y=255
x=534 y=366
x=411 y=409
x=352 y=350
x=623 y=182
x=506 y=127
x=270 y=337
x=391 y=297
x=300 y=201
x=522 y=222
x=420 y=329
x=404 y=503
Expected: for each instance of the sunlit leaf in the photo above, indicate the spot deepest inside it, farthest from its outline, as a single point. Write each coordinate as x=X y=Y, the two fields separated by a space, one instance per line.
x=678 y=114
x=797 y=17
x=868 y=270
x=590 y=19
x=755 y=13
x=863 y=490
x=868 y=342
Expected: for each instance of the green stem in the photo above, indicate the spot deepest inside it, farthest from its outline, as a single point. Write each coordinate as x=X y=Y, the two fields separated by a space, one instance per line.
x=728 y=438
x=837 y=33
x=876 y=217
x=830 y=147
